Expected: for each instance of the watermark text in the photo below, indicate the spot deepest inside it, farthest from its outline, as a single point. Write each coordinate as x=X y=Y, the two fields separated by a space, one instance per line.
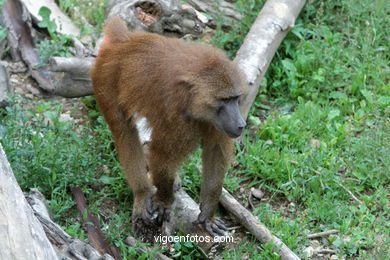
x=193 y=239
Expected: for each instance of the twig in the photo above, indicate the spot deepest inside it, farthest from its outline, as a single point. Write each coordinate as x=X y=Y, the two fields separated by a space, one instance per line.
x=250 y=200
x=350 y=193
x=323 y=234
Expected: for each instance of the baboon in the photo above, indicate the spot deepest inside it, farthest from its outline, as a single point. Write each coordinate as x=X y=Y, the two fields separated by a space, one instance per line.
x=189 y=93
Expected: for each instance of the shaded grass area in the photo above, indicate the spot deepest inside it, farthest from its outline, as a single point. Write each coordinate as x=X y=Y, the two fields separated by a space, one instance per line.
x=319 y=127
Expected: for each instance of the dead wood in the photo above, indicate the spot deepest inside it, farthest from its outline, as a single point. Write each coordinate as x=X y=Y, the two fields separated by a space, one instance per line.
x=22 y=236
x=74 y=80
x=271 y=26
x=27 y=232
x=75 y=65
x=91 y=224
x=228 y=10
x=4 y=84
x=252 y=224
x=159 y=16
x=22 y=46
x=65 y=246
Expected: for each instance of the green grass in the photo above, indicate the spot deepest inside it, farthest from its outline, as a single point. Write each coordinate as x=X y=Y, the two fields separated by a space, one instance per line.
x=319 y=127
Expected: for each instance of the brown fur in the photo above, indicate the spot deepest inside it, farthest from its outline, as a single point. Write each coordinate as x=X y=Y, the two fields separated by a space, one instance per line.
x=175 y=85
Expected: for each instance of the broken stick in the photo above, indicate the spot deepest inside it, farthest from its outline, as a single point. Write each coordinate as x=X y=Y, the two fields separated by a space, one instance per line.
x=252 y=224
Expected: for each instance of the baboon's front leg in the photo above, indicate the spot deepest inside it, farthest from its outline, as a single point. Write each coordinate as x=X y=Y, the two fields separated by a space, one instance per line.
x=217 y=153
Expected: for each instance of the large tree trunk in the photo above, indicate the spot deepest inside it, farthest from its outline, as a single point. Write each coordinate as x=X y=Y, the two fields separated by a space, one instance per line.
x=22 y=236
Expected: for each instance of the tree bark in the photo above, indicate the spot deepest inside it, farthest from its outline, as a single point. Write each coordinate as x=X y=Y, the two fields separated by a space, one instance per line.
x=255 y=54
x=67 y=248
x=75 y=82
x=256 y=228
x=226 y=9
x=22 y=236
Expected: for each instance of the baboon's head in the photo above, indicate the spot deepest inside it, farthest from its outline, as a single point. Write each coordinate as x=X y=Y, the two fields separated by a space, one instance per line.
x=216 y=95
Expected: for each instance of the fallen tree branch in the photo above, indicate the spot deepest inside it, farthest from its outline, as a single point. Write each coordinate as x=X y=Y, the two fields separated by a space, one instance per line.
x=22 y=236
x=75 y=65
x=66 y=246
x=18 y=24
x=271 y=26
x=252 y=224
x=74 y=81
x=350 y=193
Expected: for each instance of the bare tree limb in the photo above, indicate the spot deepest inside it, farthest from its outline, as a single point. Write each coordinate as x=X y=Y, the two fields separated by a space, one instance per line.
x=267 y=32
x=22 y=45
x=22 y=236
x=252 y=224
x=75 y=65
x=65 y=246
x=350 y=193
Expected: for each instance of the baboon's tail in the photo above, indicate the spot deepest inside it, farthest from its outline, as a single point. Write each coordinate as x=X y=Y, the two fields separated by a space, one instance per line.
x=115 y=31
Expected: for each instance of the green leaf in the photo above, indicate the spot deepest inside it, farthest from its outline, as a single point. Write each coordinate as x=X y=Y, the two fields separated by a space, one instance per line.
x=45 y=13
x=254 y=120
x=338 y=95
x=333 y=114
x=50 y=25
x=188 y=244
x=367 y=95
x=289 y=65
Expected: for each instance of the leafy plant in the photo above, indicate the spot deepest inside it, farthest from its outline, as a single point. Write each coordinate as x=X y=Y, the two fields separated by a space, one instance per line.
x=58 y=45
x=46 y=22
x=55 y=47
